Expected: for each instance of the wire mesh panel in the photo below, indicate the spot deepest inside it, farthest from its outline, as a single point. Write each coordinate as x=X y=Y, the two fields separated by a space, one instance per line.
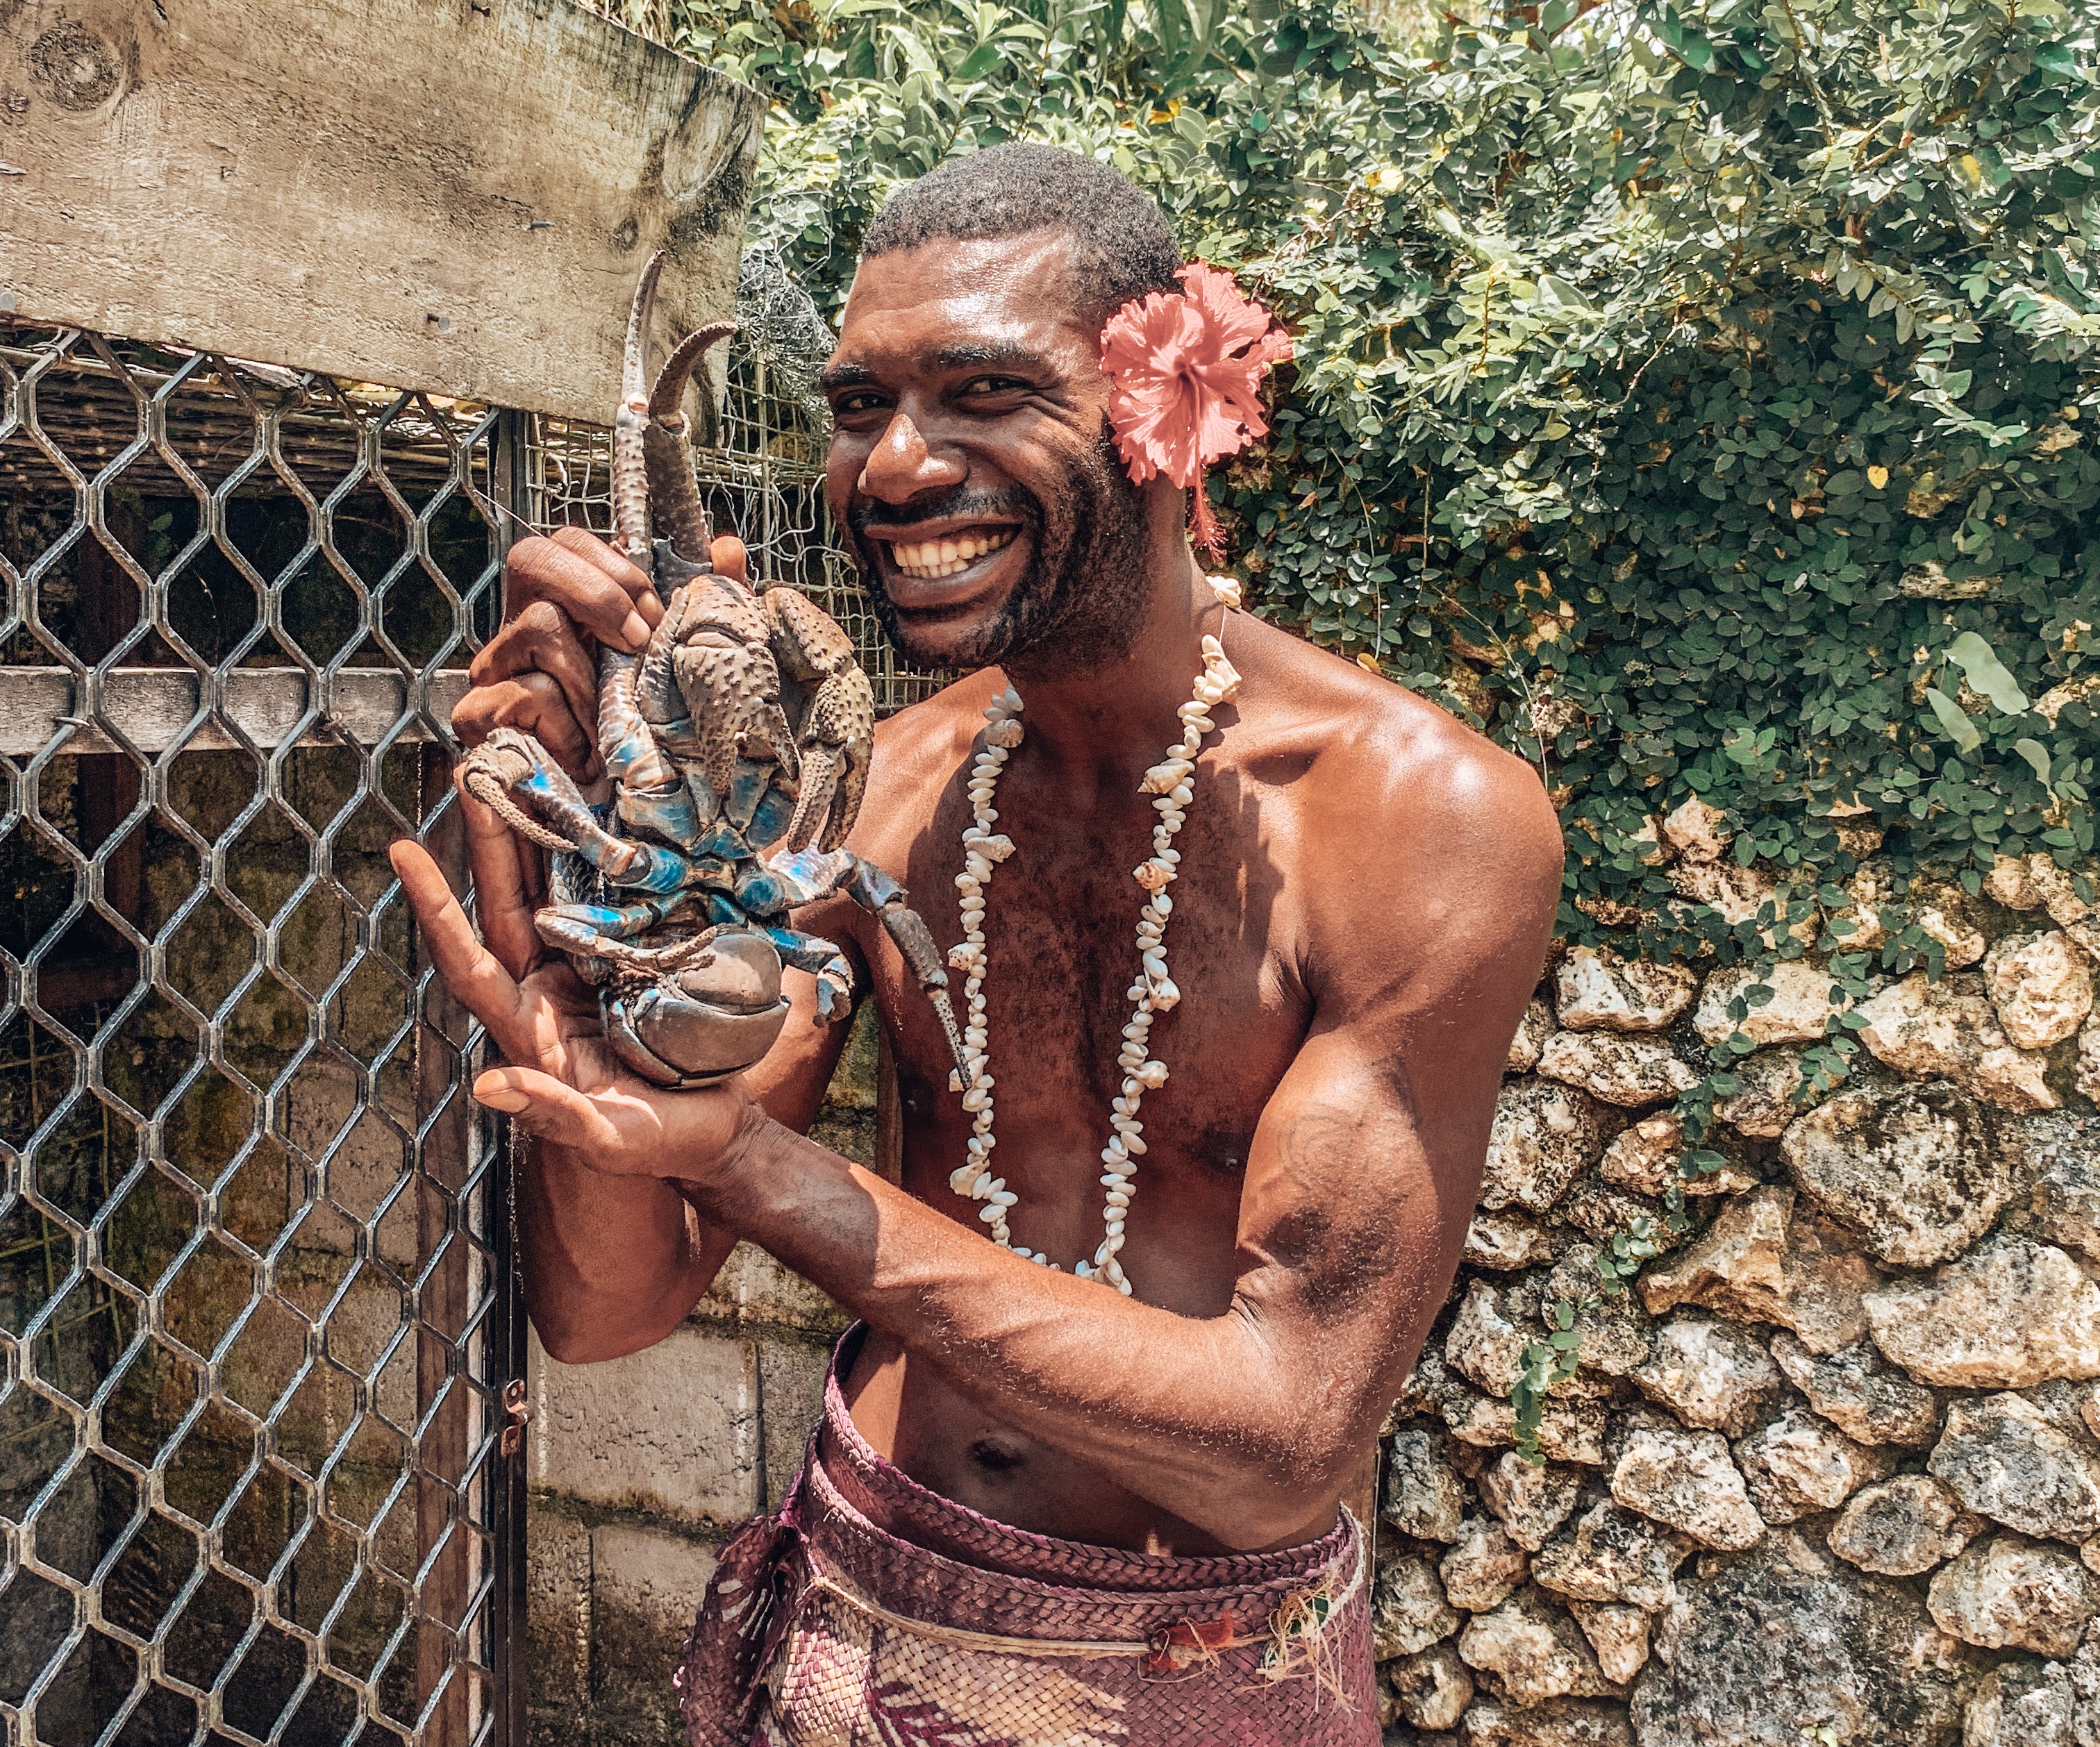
x=253 y=1253
x=761 y=460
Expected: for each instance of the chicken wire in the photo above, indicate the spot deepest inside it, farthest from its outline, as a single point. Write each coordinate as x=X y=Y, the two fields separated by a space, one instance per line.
x=255 y=1304
x=760 y=455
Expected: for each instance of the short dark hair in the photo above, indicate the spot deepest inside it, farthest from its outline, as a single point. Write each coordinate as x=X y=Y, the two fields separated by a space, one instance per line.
x=1125 y=247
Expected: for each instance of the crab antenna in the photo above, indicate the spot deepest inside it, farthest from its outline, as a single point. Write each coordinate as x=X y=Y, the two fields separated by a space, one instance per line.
x=630 y=468
x=674 y=488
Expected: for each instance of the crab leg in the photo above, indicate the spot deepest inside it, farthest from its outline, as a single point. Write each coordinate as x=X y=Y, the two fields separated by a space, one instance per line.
x=822 y=960
x=630 y=465
x=674 y=488
x=509 y=763
x=814 y=873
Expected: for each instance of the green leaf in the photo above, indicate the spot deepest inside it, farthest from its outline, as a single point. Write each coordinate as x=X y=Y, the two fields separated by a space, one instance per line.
x=1987 y=675
x=2036 y=755
x=1953 y=722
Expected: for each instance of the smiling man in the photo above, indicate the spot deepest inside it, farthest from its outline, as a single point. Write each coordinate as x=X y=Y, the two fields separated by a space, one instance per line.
x=1040 y=1508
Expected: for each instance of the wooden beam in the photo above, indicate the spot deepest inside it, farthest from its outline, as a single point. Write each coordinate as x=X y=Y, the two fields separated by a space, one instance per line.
x=150 y=707
x=452 y=195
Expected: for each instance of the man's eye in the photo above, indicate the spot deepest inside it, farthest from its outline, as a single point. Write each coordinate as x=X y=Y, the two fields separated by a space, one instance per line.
x=862 y=403
x=995 y=385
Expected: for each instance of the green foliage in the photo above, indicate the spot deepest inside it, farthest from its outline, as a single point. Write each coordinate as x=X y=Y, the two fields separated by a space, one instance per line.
x=1701 y=397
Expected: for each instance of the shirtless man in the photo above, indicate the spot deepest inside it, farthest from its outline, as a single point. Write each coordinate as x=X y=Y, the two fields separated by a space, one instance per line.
x=1364 y=897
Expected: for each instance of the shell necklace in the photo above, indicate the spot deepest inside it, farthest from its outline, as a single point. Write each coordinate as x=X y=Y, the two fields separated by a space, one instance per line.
x=1153 y=993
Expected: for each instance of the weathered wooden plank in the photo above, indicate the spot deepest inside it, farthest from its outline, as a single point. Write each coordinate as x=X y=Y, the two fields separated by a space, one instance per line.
x=454 y=194
x=150 y=707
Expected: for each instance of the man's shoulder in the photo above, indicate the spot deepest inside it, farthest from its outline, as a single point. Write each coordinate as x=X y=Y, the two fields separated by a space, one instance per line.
x=1389 y=758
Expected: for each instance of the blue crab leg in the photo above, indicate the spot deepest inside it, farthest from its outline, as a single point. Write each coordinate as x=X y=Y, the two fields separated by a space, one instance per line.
x=600 y=931
x=822 y=960
x=653 y=797
x=812 y=874
x=509 y=762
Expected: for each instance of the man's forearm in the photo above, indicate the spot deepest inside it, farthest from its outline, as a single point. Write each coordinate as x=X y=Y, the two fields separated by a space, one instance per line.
x=612 y=1264
x=1194 y=1414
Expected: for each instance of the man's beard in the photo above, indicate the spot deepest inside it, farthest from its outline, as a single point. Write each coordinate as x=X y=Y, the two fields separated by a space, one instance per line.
x=1081 y=601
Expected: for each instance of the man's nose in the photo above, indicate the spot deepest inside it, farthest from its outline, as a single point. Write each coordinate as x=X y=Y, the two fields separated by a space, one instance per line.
x=902 y=465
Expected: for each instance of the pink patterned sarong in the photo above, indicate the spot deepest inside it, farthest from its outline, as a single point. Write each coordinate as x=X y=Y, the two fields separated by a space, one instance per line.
x=819 y=1627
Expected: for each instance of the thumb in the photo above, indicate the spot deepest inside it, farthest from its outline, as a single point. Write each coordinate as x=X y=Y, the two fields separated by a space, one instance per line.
x=729 y=556
x=547 y=1107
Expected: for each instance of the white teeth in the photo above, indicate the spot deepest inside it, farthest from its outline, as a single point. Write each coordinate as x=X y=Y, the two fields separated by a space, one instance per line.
x=932 y=559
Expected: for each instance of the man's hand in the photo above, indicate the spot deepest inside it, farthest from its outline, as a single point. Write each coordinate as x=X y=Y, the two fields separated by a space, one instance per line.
x=563 y=1082
x=564 y=595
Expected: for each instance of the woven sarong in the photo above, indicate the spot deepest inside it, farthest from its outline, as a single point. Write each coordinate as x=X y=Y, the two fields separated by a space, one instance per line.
x=821 y=1629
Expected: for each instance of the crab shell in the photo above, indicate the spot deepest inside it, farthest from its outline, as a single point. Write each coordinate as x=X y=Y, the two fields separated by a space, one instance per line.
x=697 y=1026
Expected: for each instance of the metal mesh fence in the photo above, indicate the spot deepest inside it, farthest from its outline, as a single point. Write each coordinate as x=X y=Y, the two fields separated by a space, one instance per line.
x=254 y=1315
x=761 y=468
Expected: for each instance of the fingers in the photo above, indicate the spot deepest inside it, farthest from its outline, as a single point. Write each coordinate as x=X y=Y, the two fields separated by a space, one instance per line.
x=477 y=980
x=552 y=1110
x=729 y=556
x=505 y=886
x=540 y=639
x=535 y=703
x=577 y=572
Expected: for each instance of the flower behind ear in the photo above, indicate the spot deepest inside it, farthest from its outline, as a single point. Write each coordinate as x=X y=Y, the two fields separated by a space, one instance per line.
x=1187 y=369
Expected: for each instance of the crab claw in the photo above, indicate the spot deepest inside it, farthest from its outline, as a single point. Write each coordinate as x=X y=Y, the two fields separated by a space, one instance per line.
x=834 y=728
x=674 y=489
x=703 y=1023
x=630 y=424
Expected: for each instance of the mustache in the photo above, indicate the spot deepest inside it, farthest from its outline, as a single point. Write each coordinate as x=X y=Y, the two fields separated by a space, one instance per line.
x=962 y=503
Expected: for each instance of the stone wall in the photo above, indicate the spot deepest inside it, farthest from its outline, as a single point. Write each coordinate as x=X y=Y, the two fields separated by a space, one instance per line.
x=1829 y=1465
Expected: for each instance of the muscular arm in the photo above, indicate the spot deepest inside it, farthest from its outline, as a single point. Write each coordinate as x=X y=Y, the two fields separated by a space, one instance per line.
x=1360 y=1181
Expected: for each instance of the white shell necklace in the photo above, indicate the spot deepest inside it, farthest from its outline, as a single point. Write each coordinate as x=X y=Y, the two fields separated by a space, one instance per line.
x=1169 y=782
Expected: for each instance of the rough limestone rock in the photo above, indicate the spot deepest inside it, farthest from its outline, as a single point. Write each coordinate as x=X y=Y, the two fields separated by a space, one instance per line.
x=1532 y=1032
x=1619 y=1635
x=1769 y=1645
x=1868 y=894
x=1950 y=916
x=1558 y=1722
x=2088 y=1070
x=1610 y=1554
x=1618 y=1334
x=1502 y=1242
x=2024 y=1704
x=1483 y=1567
x=1799 y=1011
x=1768 y=1084
x=1567 y=1431
x=1713 y=1375
x=2041 y=986
x=2008 y=1593
x=1683 y=1478
x=1534 y=1650
x=1800 y=1464
x=1544 y=1134
x=1947 y=1030
x=1644 y=1158
x=1484 y=1344
x=1917 y=1170
x=2007 y=883
x=2059 y=1163
x=1596 y=991
x=1860 y=1393
x=1765 y=1260
x=1623 y=1069
x=1532 y=1501
x=2009 y=1313
x=1409 y=1612
x=1430 y=1689
x=1903 y=1527
x=1697 y=831
x=1602 y=1212
x=2059 y=895
x=1424 y=1496
x=2003 y=1460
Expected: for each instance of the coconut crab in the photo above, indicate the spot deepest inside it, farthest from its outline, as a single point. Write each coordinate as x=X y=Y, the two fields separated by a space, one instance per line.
x=737 y=746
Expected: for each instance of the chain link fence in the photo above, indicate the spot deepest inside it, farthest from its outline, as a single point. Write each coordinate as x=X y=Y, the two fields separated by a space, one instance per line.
x=255 y=1316
x=257 y=1308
